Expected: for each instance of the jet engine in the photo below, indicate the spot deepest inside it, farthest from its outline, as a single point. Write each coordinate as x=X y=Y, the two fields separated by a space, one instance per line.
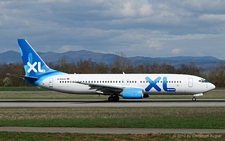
x=133 y=93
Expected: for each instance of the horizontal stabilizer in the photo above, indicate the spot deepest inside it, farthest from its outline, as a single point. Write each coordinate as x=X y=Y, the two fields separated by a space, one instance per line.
x=23 y=76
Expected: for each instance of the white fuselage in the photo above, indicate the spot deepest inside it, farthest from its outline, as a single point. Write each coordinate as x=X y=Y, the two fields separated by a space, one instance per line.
x=149 y=83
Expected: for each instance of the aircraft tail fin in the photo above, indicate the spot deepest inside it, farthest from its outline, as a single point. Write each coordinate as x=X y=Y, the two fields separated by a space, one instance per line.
x=34 y=66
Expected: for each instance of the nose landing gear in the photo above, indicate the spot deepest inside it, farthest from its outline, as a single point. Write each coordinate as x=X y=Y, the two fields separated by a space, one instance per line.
x=193 y=98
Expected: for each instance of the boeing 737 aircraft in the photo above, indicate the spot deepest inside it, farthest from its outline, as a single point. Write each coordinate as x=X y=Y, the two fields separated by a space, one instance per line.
x=127 y=86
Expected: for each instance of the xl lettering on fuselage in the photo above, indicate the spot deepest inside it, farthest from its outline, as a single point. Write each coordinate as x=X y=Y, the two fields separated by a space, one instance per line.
x=153 y=84
x=32 y=67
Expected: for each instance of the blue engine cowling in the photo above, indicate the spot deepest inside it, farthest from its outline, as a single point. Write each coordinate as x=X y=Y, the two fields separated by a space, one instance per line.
x=132 y=93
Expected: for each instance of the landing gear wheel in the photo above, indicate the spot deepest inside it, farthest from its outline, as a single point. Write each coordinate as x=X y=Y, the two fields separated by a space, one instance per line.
x=111 y=99
x=114 y=98
x=194 y=99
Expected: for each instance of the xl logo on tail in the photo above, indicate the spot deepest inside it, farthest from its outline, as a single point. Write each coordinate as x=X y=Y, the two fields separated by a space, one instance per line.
x=32 y=67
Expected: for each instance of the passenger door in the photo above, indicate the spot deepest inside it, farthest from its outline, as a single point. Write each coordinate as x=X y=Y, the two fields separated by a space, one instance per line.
x=50 y=82
x=190 y=82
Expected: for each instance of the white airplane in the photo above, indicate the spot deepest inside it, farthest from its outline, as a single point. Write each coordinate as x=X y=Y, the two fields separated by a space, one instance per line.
x=127 y=86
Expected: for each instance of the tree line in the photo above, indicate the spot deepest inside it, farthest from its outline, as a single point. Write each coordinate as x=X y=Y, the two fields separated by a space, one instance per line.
x=119 y=65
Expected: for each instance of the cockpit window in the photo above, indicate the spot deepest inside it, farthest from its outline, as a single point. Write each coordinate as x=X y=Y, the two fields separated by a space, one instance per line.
x=203 y=81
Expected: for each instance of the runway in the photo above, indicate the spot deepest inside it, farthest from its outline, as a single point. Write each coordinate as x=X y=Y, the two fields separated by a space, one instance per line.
x=110 y=130
x=105 y=103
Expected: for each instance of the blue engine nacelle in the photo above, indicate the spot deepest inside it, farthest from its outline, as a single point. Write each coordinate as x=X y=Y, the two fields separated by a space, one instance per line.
x=132 y=93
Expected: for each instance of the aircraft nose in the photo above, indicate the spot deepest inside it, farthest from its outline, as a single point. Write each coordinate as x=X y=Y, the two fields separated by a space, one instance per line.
x=211 y=86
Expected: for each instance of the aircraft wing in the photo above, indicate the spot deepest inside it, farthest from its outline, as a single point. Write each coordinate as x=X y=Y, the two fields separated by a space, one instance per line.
x=105 y=89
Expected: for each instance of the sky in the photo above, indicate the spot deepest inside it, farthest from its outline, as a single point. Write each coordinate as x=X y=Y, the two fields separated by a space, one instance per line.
x=151 y=28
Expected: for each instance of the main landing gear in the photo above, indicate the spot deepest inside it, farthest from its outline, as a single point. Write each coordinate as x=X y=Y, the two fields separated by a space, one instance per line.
x=193 y=98
x=113 y=98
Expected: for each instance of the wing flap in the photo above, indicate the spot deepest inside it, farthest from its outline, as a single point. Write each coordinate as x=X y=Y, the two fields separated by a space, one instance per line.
x=103 y=88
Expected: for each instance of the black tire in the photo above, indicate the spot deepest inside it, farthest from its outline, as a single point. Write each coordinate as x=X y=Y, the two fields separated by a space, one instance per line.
x=116 y=98
x=194 y=99
x=110 y=99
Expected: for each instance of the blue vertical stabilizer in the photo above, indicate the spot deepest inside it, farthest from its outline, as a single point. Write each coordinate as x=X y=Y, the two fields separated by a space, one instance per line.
x=34 y=66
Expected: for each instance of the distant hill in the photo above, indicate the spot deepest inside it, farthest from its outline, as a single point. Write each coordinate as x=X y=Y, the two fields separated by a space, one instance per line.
x=206 y=62
x=10 y=57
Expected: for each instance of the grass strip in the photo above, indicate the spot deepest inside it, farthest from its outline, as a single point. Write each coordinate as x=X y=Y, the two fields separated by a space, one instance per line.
x=148 y=122
x=103 y=137
x=32 y=88
x=211 y=118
